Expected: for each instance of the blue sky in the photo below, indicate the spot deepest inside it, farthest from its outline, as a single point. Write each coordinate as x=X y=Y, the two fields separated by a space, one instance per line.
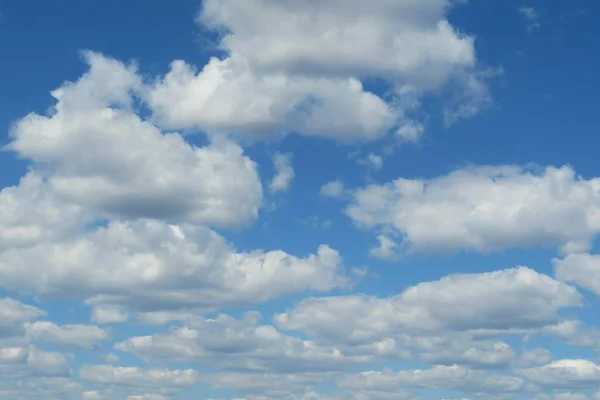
x=315 y=200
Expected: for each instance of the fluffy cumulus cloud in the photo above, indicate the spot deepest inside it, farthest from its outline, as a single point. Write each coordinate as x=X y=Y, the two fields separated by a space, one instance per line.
x=581 y=268
x=518 y=298
x=134 y=170
x=149 y=265
x=565 y=374
x=226 y=98
x=31 y=212
x=83 y=336
x=387 y=250
x=484 y=209
x=298 y=68
x=31 y=362
x=14 y=315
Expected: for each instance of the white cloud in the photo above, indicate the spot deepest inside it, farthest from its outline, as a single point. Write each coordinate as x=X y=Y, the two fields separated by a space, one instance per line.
x=582 y=269
x=304 y=75
x=31 y=213
x=151 y=266
x=39 y=387
x=138 y=377
x=485 y=209
x=227 y=98
x=535 y=357
x=134 y=170
x=568 y=374
x=82 y=336
x=333 y=189
x=532 y=16
x=270 y=386
x=12 y=355
x=444 y=377
x=47 y=363
x=510 y=299
x=92 y=395
x=148 y=397
x=31 y=362
x=239 y=344
x=575 y=332
x=570 y=396
x=372 y=161
x=111 y=358
x=109 y=314
x=284 y=172
x=410 y=132
x=408 y=42
x=462 y=350
x=14 y=315
x=387 y=249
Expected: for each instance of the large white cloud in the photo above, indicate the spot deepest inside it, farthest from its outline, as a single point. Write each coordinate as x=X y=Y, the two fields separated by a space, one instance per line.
x=518 y=298
x=226 y=97
x=31 y=361
x=568 y=374
x=31 y=213
x=444 y=377
x=138 y=377
x=74 y=335
x=100 y=154
x=407 y=41
x=149 y=265
x=240 y=345
x=581 y=268
x=14 y=315
x=297 y=68
x=485 y=209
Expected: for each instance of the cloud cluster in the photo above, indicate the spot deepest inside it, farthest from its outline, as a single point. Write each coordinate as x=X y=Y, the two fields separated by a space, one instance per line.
x=484 y=209
x=298 y=68
x=123 y=211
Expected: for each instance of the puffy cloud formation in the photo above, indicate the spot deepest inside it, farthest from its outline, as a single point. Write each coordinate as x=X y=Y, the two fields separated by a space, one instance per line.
x=565 y=374
x=298 y=68
x=83 y=336
x=31 y=362
x=241 y=345
x=387 y=249
x=31 y=212
x=518 y=298
x=14 y=315
x=485 y=209
x=149 y=265
x=134 y=169
x=121 y=230
x=227 y=98
x=284 y=172
x=580 y=268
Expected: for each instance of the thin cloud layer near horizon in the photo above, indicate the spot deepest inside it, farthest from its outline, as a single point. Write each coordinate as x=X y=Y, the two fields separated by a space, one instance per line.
x=299 y=200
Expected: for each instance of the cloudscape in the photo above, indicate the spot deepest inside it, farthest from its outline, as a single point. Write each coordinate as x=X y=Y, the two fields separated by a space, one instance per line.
x=299 y=200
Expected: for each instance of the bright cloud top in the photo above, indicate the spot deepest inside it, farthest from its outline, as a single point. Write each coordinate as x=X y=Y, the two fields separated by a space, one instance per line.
x=484 y=209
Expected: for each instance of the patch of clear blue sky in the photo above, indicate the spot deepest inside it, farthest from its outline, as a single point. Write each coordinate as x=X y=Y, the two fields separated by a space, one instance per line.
x=545 y=112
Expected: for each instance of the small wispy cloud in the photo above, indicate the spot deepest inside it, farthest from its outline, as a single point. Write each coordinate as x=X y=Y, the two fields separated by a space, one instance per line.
x=532 y=16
